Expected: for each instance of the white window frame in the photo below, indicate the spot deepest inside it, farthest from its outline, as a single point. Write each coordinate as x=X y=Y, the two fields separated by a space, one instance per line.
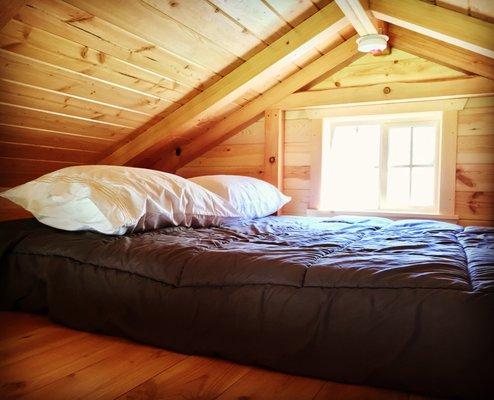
x=446 y=122
x=434 y=209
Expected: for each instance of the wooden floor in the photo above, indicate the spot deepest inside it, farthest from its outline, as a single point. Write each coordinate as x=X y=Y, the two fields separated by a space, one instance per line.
x=41 y=360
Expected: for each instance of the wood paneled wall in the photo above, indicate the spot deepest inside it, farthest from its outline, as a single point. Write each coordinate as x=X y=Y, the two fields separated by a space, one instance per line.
x=9 y=210
x=243 y=154
x=474 y=172
x=297 y=169
x=475 y=163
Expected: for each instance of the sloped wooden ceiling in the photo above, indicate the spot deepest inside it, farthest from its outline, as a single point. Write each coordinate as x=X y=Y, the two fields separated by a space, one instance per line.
x=481 y=9
x=79 y=78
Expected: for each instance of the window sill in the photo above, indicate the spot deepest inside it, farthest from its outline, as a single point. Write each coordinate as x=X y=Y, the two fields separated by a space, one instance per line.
x=385 y=214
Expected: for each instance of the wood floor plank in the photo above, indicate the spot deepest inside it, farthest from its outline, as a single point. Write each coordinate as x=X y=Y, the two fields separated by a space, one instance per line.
x=260 y=384
x=41 y=360
x=126 y=367
x=34 y=342
x=419 y=397
x=31 y=373
x=340 y=391
x=194 y=378
x=15 y=324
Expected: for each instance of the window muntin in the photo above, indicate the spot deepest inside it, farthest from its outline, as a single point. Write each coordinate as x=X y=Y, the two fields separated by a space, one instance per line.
x=381 y=165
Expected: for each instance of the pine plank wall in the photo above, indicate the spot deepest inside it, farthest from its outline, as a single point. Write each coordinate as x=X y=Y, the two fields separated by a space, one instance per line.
x=244 y=152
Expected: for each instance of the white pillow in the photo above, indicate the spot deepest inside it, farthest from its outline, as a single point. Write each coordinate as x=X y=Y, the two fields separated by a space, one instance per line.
x=250 y=197
x=116 y=200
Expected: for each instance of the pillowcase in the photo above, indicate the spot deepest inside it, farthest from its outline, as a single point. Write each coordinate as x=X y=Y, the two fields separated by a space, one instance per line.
x=117 y=200
x=251 y=197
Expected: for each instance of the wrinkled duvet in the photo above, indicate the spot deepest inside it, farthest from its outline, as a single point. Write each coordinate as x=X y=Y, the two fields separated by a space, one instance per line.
x=406 y=305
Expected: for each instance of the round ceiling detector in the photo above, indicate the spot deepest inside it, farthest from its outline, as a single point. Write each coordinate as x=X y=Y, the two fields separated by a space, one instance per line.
x=372 y=43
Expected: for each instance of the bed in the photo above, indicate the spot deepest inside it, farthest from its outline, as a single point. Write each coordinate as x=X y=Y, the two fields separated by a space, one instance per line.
x=406 y=305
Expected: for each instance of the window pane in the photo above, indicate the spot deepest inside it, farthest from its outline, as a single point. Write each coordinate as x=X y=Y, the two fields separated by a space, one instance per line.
x=352 y=176
x=424 y=145
x=358 y=189
x=369 y=137
x=398 y=187
x=422 y=186
x=399 y=145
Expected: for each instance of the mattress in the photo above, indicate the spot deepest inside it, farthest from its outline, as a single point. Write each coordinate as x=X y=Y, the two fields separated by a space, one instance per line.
x=406 y=305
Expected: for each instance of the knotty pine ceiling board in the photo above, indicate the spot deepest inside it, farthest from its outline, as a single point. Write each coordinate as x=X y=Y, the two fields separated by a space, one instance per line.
x=79 y=77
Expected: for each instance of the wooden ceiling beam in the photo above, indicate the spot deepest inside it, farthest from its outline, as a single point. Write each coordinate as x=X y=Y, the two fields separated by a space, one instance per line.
x=359 y=15
x=295 y=42
x=334 y=60
x=391 y=92
x=439 y=23
x=441 y=53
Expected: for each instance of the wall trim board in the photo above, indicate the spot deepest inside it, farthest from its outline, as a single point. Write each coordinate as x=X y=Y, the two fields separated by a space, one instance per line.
x=394 y=92
x=373 y=109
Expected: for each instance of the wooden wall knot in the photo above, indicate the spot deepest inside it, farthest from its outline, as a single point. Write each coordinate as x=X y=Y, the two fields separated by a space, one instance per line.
x=473 y=203
x=272 y=159
x=464 y=179
x=84 y=51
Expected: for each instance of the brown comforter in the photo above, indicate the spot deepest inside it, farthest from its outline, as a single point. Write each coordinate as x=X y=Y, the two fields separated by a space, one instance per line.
x=406 y=305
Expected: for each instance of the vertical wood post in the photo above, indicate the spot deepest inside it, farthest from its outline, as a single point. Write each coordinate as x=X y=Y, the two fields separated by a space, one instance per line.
x=274 y=148
x=316 y=163
x=447 y=169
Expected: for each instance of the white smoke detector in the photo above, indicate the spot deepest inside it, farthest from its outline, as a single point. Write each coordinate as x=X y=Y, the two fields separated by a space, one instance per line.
x=372 y=43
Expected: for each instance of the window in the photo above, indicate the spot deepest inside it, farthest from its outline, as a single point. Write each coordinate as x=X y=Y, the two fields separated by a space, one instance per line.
x=381 y=164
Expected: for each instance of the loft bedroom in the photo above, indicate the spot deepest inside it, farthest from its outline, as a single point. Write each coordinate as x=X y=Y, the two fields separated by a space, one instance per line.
x=237 y=187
